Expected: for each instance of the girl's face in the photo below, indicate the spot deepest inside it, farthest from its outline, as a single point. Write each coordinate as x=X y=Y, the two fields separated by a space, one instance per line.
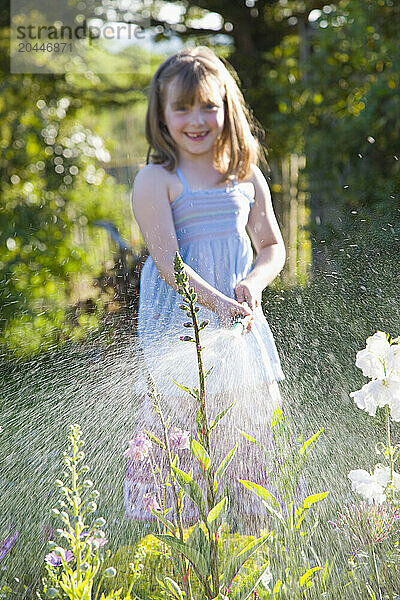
x=196 y=127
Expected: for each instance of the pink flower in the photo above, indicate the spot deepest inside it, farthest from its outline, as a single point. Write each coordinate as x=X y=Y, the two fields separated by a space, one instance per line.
x=99 y=542
x=138 y=447
x=179 y=439
x=150 y=501
x=54 y=559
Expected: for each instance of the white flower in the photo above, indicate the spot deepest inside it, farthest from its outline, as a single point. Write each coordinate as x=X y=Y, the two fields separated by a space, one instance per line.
x=372 y=487
x=378 y=393
x=367 y=486
x=371 y=365
x=380 y=359
x=382 y=476
x=372 y=359
x=378 y=343
x=392 y=362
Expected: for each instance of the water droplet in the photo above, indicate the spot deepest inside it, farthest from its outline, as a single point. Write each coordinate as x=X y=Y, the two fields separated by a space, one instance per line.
x=11 y=244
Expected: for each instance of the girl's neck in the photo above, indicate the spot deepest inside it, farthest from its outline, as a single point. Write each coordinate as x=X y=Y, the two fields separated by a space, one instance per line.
x=201 y=171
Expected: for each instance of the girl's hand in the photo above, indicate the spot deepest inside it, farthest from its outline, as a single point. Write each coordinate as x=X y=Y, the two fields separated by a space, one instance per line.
x=246 y=291
x=228 y=309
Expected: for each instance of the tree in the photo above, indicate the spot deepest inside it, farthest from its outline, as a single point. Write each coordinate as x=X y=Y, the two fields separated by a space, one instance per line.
x=52 y=191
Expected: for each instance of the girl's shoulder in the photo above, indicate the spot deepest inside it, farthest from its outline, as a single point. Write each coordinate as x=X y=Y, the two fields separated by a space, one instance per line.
x=254 y=175
x=257 y=180
x=155 y=178
x=252 y=182
x=150 y=171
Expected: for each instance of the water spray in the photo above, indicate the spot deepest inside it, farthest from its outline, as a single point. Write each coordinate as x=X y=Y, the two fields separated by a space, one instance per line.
x=240 y=323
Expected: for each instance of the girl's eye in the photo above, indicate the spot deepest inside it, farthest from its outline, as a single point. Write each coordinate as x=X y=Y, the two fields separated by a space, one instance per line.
x=180 y=108
x=210 y=106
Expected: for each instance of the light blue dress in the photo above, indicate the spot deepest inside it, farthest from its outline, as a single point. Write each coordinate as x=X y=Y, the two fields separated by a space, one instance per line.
x=211 y=232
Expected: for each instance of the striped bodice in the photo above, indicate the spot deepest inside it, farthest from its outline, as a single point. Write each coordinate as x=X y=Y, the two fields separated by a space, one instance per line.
x=211 y=213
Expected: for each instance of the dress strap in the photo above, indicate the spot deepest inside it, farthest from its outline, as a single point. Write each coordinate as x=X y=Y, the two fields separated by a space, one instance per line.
x=183 y=180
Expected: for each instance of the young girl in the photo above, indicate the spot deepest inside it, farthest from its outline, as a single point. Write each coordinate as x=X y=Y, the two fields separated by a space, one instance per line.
x=198 y=195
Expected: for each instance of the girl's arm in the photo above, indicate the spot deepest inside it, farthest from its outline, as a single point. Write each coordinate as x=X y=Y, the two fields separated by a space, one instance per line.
x=265 y=234
x=153 y=214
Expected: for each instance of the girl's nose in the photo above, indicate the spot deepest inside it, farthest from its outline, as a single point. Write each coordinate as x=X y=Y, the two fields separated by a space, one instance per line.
x=196 y=116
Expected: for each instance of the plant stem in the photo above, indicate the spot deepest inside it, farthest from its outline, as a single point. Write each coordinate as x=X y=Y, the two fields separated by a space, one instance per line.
x=209 y=478
x=98 y=587
x=375 y=572
x=389 y=449
x=190 y=297
x=157 y=487
x=185 y=568
x=293 y=551
x=75 y=507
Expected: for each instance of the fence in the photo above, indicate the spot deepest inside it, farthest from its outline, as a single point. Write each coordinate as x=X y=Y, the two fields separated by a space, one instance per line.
x=289 y=196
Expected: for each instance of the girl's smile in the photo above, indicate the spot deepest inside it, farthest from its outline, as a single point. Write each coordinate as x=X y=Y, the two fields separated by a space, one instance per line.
x=197 y=136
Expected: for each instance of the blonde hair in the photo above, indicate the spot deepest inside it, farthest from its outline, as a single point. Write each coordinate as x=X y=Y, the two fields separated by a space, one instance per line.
x=194 y=69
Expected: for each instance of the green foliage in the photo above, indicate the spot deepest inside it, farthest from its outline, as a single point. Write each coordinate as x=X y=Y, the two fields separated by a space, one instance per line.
x=53 y=188
x=156 y=563
x=5 y=592
x=292 y=551
x=52 y=191
x=336 y=82
x=79 y=573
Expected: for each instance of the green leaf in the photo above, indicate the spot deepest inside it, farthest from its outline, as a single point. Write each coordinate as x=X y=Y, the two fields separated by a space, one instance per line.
x=172 y=587
x=262 y=493
x=198 y=541
x=277 y=418
x=191 y=488
x=193 y=556
x=308 y=574
x=184 y=388
x=208 y=372
x=220 y=416
x=223 y=466
x=155 y=439
x=201 y=454
x=244 y=589
x=269 y=501
x=218 y=510
x=280 y=429
x=305 y=506
x=168 y=524
x=277 y=589
x=310 y=500
x=248 y=437
x=371 y=592
x=235 y=565
x=309 y=442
